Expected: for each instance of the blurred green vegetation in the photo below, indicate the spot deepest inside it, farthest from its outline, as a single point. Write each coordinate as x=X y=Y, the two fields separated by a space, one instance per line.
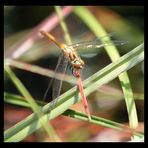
x=126 y=21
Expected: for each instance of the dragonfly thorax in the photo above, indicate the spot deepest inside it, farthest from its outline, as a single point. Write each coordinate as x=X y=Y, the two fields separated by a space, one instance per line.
x=73 y=58
x=68 y=49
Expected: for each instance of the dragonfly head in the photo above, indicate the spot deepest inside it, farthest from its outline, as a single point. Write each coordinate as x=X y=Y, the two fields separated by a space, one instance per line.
x=77 y=63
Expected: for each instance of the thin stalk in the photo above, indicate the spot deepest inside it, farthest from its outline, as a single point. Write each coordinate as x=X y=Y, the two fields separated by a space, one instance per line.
x=39 y=70
x=37 y=110
x=15 y=99
x=94 y=25
x=63 y=25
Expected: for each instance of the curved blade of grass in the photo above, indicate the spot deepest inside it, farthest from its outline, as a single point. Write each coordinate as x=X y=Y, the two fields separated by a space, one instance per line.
x=63 y=25
x=30 y=124
x=113 y=53
x=18 y=100
x=39 y=70
x=44 y=122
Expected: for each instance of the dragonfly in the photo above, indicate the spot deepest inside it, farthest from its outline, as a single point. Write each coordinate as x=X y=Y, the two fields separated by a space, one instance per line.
x=69 y=55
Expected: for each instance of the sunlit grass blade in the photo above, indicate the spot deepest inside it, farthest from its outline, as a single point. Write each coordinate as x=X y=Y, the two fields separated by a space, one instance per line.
x=63 y=25
x=31 y=124
x=113 y=53
x=19 y=100
x=15 y=99
x=44 y=121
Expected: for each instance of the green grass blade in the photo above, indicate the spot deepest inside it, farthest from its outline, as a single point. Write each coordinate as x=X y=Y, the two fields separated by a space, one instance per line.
x=113 y=53
x=63 y=25
x=31 y=124
x=44 y=121
x=39 y=70
x=18 y=100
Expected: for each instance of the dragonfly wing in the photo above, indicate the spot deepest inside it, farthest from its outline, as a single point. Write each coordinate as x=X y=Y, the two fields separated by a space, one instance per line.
x=56 y=84
x=96 y=44
x=60 y=68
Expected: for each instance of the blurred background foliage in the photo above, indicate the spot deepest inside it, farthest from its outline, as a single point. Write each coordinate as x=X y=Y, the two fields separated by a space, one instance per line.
x=128 y=24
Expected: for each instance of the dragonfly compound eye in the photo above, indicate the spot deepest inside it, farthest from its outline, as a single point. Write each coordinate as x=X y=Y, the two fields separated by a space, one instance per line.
x=77 y=64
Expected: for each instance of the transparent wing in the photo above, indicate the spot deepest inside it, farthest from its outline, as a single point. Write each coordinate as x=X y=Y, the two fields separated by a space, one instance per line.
x=96 y=44
x=60 y=68
x=57 y=84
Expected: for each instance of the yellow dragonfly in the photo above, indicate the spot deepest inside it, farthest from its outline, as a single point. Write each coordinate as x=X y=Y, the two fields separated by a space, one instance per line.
x=69 y=54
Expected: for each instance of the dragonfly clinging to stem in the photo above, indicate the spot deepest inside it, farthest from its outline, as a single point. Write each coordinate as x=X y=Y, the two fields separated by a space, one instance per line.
x=69 y=54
